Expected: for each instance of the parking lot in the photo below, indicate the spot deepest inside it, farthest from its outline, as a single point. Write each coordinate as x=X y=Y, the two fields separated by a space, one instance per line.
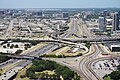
x=106 y=66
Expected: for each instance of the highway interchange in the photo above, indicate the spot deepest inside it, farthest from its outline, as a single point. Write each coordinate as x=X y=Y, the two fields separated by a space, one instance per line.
x=82 y=65
x=40 y=51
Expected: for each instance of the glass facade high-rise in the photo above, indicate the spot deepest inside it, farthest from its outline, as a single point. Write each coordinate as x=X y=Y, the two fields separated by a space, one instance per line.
x=115 y=22
x=119 y=14
x=39 y=13
x=65 y=15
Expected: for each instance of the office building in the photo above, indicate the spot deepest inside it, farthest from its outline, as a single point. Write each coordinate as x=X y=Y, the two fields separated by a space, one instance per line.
x=105 y=13
x=102 y=24
x=115 y=48
x=119 y=14
x=115 y=22
x=57 y=15
x=65 y=15
x=39 y=14
x=2 y=13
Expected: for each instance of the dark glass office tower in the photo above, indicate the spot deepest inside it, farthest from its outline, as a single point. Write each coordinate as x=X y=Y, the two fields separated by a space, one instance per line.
x=115 y=22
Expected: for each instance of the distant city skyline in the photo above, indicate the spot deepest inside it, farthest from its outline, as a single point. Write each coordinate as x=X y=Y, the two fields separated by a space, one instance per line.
x=59 y=3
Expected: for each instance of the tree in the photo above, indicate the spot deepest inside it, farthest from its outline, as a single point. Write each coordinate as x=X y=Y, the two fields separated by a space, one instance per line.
x=8 y=45
x=4 y=46
x=118 y=67
x=115 y=75
x=27 y=45
x=12 y=46
x=77 y=77
x=18 y=52
x=3 y=58
x=22 y=76
x=41 y=65
x=107 y=78
x=67 y=74
x=16 y=46
x=34 y=42
x=88 y=45
x=25 y=48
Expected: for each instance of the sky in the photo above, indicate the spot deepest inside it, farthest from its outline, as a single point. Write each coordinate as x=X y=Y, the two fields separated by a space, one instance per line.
x=59 y=3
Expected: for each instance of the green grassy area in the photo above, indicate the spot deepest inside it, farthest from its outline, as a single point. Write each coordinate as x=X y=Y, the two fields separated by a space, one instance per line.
x=60 y=56
x=33 y=48
x=46 y=71
x=24 y=79
x=41 y=66
x=63 y=52
x=107 y=78
x=21 y=73
x=88 y=45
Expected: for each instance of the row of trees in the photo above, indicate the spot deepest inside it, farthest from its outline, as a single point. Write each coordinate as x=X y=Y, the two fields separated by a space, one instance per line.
x=115 y=75
x=33 y=42
x=42 y=65
x=11 y=46
x=16 y=46
x=60 y=56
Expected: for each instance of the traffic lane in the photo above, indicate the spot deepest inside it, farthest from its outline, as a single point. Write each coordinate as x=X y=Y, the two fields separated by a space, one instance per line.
x=11 y=61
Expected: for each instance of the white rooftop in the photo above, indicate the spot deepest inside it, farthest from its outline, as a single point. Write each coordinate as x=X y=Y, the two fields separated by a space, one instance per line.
x=116 y=45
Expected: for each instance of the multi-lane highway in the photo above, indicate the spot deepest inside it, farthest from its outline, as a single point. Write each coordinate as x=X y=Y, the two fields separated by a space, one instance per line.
x=84 y=28
x=13 y=70
x=84 y=69
x=43 y=50
x=93 y=39
x=84 y=65
x=9 y=29
x=73 y=28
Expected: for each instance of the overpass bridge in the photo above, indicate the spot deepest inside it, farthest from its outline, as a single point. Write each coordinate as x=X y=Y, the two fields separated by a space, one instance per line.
x=24 y=57
x=73 y=41
x=92 y=39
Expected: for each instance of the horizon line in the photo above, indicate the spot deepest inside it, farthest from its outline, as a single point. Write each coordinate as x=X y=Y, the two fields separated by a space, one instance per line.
x=63 y=8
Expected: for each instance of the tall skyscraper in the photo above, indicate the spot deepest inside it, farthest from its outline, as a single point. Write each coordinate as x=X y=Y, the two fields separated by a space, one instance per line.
x=39 y=14
x=105 y=13
x=102 y=24
x=65 y=15
x=2 y=12
x=119 y=14
x=115 y=22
